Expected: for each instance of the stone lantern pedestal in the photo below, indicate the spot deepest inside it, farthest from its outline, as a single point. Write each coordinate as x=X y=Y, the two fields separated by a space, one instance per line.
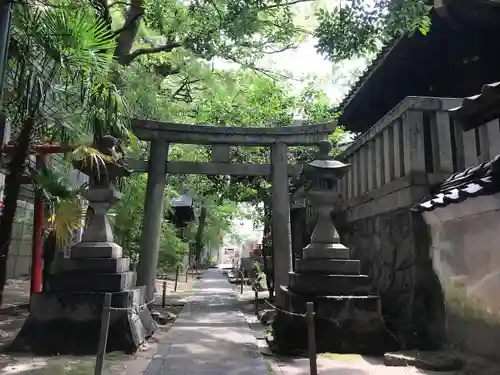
x=348 y=316
x=65 y=318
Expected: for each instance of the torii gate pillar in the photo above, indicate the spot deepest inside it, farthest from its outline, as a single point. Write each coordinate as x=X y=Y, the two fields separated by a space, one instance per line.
x=280 y=208
x=153 y=216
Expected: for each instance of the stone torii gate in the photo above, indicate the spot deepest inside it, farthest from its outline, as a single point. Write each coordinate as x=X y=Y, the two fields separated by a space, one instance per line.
x=161 y=134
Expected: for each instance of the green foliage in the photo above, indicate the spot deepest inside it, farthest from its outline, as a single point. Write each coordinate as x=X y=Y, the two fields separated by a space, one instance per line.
x=59 y=62
x=101 y=63
x=247 y=99
x=127 y=214
x=56 y=88
x=357 y=27
x=172 y=248
x=214 y=28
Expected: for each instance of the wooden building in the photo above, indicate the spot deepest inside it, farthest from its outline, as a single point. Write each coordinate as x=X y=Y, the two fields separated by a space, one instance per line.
x=456 y=58
x=408 y=146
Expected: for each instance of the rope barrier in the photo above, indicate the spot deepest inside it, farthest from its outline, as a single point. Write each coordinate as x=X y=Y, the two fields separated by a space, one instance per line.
x=277 y=308
x=308 y=316
x=103 y=335
x=131 y=308
x=311 y=335
x=284 y=311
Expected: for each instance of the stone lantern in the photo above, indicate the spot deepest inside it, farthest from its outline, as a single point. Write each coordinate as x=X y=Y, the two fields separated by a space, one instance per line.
x=348 y=316
x=66 y=316
x=321 y=177
x=98 y=239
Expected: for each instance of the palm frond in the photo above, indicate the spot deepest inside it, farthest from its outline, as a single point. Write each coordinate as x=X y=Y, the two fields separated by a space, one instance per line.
x=90 y=158
x=68 y=215
x=54 y=184
x=59 y=72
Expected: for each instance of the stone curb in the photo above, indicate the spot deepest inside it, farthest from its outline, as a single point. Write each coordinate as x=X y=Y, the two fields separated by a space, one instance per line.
x=431 y=361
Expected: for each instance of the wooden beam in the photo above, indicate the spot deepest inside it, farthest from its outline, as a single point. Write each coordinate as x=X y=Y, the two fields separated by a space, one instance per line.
x=233 y=169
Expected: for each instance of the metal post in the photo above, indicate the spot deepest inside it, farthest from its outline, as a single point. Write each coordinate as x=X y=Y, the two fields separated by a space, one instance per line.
x=241 y=276
x=164 y=293
x=103 y=335
x=256 y=303
x=5 y=26
x=5 y=23
x=311 y=335
x=187 y=271
x=176 y=278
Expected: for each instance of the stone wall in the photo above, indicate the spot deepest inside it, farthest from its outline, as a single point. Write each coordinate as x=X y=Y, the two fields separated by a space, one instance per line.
x=394 y=251
x=466 y=258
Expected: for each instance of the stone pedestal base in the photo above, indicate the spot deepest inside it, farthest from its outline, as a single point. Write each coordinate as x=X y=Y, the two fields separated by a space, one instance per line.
x=325 y=284
x=69 y=323
x=344 y=324
x=91 y=282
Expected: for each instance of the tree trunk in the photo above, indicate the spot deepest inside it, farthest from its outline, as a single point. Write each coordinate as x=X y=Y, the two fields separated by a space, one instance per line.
x=199 y=233
x=12 y=188
x=126 y=38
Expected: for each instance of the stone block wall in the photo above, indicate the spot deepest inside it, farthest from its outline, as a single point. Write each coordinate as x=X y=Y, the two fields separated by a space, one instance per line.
x=394 y=251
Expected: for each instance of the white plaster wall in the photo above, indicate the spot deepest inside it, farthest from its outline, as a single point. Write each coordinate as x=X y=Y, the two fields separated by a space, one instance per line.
x=466 y=257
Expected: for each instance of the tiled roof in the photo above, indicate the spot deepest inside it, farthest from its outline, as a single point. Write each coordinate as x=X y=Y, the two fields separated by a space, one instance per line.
x=479 y=109
x=483 y=179
x=377 y=61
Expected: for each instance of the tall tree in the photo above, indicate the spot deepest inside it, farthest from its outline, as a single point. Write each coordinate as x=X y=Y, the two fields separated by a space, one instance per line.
x=58 y=62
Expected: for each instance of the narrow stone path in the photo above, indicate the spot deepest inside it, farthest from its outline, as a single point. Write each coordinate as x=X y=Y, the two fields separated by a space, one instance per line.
x=210 y=336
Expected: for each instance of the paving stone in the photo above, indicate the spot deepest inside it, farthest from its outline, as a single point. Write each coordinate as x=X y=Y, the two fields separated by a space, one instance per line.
x=210 y=336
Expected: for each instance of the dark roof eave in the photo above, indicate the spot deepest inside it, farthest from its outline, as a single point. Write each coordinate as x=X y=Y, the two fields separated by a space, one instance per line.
x=479 y=109
x=386 y=49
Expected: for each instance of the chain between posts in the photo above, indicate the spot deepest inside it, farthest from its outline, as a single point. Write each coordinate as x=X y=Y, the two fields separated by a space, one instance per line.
x=284 y=311
x=132 y=308
x=103 y=334
x=311 y=334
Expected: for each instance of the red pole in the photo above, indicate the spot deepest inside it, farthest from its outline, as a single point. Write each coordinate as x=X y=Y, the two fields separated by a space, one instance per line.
x=37 y=243
x=37 y=247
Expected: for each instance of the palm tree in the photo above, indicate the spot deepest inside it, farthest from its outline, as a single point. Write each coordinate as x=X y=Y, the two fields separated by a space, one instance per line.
x=60 y=59
x=64 y=210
